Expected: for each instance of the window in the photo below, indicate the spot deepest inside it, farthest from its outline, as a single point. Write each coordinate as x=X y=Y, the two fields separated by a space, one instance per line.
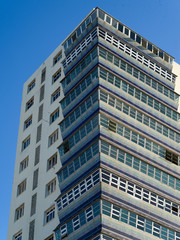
x=172 y=157
x=51 y=161
x=26 y=143
x=57 y=57
x=28 y=122
x=43 y=75
x=35 y=179
x=37 y=155
x=53 y=138
x=40 y=113
x=50 y=238
x=18 y=236
x=50 y=187
x=56 y=76
x=54 y=115
x=39 y=130
x=55 y=95
x=23 y=164
x=33 y=204
x=31 y=230
x=49 y=214
x=31 y=86
x=42 y=89
x=19 y=212
x=21 y=187
x=29 y=103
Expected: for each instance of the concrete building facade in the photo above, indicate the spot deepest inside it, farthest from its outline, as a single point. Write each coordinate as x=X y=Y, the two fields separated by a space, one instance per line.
x=98 y=145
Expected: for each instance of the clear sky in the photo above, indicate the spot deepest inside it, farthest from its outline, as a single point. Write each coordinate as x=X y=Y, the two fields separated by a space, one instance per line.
x=31 y=29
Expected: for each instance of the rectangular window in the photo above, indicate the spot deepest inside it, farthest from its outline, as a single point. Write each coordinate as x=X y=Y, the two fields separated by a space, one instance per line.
x=37 y=155
x=49 y=214
x=39 y=130
x=41 y=97
x=21 y=187
x=50 y=187
x=28 y=122
x=31 y=230
x=51 y=161
x=29 y=103
x=40 y=113
x=33 y=204
x=56 y=76
x=57 y=58
x=43 y=75
x=35 y=179
x=26 y=143
x=23 y=164
x=18 y=236
x=31 y=86
x=54 y=115
x=53 y=138
x=19 y=212
x=55 y=95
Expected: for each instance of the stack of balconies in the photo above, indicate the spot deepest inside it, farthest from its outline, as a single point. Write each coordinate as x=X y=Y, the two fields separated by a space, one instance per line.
x=120 y=152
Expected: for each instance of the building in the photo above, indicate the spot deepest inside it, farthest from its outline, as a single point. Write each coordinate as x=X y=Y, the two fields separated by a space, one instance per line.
x=116 y=151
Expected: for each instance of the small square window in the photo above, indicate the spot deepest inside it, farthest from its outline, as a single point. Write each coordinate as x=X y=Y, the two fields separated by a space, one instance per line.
x=150 y=46
x=132 y=35
x=138 y=39
x=120 y=27
x=155 y=50
x=108 y=19
x=144 y=43
x=126 y=31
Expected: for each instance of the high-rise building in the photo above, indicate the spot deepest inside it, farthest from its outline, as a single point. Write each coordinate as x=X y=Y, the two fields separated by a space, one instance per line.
x=101 y=114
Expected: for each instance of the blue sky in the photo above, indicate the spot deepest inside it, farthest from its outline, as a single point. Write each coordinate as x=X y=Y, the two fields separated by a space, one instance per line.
x=31 y=30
